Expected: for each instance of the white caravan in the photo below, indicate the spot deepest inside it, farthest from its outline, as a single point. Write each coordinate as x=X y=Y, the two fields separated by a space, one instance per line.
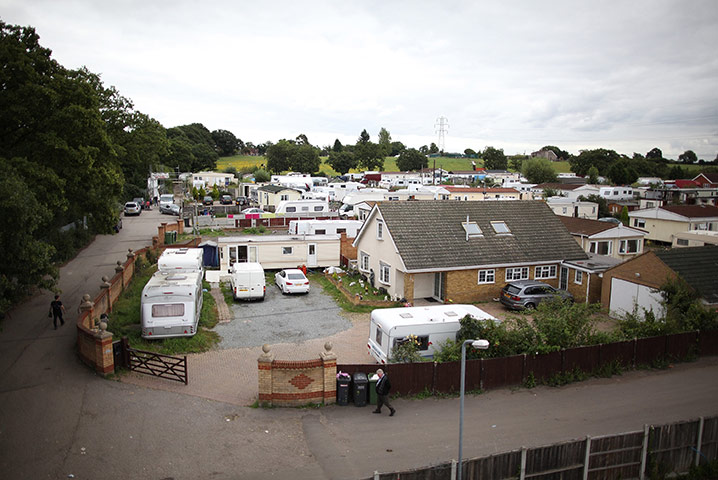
x=171 y=304
x=247 y=281
x=321 y=227
x=289 y=207
x=431 y=325
x=180 y=260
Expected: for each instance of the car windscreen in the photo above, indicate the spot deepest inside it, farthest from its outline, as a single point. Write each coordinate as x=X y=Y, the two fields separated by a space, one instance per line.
x=511 y=289
x=296 y=276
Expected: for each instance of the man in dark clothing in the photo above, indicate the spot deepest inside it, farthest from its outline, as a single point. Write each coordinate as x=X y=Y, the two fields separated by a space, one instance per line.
x=383 y=386
x=57 y=309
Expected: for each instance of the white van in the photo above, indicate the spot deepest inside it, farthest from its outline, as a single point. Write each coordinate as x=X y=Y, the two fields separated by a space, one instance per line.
x=181 y=260
x=431 y=324
x=171 y=304
x=247 y=281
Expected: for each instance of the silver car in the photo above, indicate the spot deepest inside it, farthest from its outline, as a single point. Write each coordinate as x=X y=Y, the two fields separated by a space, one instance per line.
x=132 y=208
x=527 y=294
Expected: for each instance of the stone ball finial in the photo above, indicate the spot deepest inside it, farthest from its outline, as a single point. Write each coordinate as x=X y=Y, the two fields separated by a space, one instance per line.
x=103 y=326
x=328 y=346
x=266 y=348
x=119 y=263
x=105 y=279
x=86 y=297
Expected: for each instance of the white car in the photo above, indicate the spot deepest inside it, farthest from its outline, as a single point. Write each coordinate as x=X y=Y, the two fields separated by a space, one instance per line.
x=171 y=209
x=292 y=280
x=253 y=210
x=132 y=208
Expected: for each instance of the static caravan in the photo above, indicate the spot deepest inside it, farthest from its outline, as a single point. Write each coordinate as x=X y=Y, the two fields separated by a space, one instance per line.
x=179 y=260
x=276 y=252
x=289 y=207
x=431 y=325
x=321 y=227
x=247 y=281
x=171 y=304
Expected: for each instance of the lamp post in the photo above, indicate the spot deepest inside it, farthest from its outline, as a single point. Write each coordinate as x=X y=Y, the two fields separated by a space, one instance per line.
x=481 y=345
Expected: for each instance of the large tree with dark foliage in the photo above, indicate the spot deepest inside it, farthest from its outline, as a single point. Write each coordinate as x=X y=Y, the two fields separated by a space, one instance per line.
x=494 y=159
x=600 y=158
x=225 y=143
x=411 y=159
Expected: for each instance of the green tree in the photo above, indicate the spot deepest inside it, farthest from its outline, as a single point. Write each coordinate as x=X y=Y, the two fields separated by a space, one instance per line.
x=688 y=156
x=494 y=159
x=363 y=137
x=279 y=156
x=676 y=173
x=433 y=148
x=600 y=158
x=397 y=148
x=516 y=162
x=592 y=175
x=204 y=158
x=469 y=152
x=385 y=142
x=338 y=147
x=305 y=159
x=225 y=143
x=369 y=155
x=561 y=154
x=261 y=176
x=602 y=204
x=538 y=170
x=342 y=162
x=622 y=173
x=411 y=159
x=302 y=140
x=655 y=154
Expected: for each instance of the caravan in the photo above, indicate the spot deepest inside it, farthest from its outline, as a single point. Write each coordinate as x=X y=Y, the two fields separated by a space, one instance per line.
x=322 y=227
x=172 y=299
x=247 y=281
x=290 y=207
x=431 y=325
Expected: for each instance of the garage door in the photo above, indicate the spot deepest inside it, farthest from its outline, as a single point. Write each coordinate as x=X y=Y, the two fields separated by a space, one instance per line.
x=625 y=296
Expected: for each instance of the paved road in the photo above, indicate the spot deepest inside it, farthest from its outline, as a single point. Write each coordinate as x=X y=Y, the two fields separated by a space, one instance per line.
x=57 y=418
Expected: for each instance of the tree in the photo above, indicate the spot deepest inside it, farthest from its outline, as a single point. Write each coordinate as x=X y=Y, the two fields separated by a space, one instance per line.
x=204 y=158
x=261 y=176
x=411 y=159
x=655 y=154
x=302 y=140
x=561 y=154
x=516 y=162
x=424 y=149
x=469 y=152
x=369 y=155
x=688 y=156
x=225 y=143
x=592 y=175
x=625 y=219
x=342 y=162
x=279 y=156
x=494 y=159
x=338 y=147
x=600 y=158
x=305 y=159
x=363 y=137
x=538 y=170
x=622 y=173
x=385 y=141
x=433 y=148
x=397 y=148
x=676 y=173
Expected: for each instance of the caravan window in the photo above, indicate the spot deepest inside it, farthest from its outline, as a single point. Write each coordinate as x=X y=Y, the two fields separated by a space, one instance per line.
x=168 y=310
x=291 y=209
x=320 y=231
x=378 y=336
x=422 y=342
x=318 y=208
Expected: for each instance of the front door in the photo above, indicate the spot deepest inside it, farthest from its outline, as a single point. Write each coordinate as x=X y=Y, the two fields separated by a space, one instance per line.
x=563 y=279
x=312 y=255
x=439 y=279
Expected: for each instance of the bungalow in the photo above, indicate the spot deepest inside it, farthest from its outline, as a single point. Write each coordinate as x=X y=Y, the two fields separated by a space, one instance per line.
x=604 y=238
x=662 y=223
x=269 y=196
x=207 y=180
x=706 y=180
x=635 y=284
x=463 y=251
x=568 y=207
x=477 y=193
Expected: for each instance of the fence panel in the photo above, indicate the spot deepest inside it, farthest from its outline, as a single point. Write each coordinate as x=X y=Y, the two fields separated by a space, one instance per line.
x=446 y=377
x=681 y=345
x=649 y=350
x=672 y=447
x=616 y=456
x=496 y=467
x=543 y=366
x=504 y=371
x=709 y=442
x=561 y=461
x=586 y=359
x=620 y=352
x=410 y=378
x=708 y=342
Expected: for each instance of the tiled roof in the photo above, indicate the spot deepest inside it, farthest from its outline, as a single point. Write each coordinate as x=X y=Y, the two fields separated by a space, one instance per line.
x=697 y=266
x=585 y=226
x=275 y=188
x=692 y=211
x=430 y=235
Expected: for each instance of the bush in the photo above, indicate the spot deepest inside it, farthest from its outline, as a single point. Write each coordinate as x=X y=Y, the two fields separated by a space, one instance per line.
x=406 y=351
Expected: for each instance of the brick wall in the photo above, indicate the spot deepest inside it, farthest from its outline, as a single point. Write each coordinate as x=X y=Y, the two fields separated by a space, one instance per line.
x=462 y=285
x=652 y=272
x=346 y=249
x=297 y=383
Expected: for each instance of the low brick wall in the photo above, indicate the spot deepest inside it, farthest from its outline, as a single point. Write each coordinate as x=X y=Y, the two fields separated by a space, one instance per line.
x=297 y=383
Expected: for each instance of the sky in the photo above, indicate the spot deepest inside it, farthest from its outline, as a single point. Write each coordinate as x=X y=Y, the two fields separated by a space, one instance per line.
x=517 y=75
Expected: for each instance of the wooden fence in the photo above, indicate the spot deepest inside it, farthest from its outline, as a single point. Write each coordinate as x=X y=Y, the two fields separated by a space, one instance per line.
x=671 y=448
x=488 y=373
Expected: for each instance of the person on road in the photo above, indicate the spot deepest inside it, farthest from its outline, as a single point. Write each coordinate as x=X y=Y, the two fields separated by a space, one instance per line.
x=57 y=309
x=383 y=386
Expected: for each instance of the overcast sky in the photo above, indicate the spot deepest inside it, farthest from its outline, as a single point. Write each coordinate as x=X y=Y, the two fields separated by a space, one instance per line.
x=625 y=75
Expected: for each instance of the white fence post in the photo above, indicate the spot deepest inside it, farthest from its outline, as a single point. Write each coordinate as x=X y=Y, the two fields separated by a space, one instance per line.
x=644 y=453
x=587 y=457
x=522 y=475
x=453 y=469
x=700 y=440
x=376 y=475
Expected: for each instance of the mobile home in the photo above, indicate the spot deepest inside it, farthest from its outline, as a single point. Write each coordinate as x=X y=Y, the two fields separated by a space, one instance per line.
x=179 y=260
x=302 y=206
x=321 y=227
x=280 y=251
x=431 y=325
x=247 y=281
x=171 y=304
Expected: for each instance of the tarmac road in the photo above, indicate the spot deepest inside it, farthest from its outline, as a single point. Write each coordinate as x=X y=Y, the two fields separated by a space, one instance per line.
x=57 y=418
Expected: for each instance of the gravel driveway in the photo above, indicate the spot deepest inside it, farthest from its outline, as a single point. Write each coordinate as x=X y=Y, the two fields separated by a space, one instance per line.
x=281 y=318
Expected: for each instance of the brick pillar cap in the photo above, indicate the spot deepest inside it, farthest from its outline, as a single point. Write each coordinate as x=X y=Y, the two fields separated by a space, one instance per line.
x=327 y=354
x=266 y=355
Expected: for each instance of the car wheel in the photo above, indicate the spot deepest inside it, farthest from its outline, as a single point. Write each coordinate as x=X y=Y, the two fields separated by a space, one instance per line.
x=530 y=306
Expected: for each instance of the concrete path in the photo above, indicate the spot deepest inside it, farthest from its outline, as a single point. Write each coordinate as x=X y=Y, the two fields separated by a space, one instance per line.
x=57 y=418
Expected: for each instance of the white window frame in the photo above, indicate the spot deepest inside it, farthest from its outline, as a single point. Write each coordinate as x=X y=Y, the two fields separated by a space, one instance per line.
x=379 y=230
x=517 y=273
x=384 y=273
x=363 y=261
x=489 y=276
x=545 y=271
x=623 y=244
x=284 y=197
x=593 y=247
x=498 y=226
x=639 y=222
x=578 y=278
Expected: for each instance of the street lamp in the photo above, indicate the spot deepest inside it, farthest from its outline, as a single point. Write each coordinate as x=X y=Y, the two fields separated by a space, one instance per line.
x=481 y=345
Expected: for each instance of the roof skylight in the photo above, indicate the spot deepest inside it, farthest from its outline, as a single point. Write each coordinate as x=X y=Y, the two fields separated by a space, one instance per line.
x=500 y=227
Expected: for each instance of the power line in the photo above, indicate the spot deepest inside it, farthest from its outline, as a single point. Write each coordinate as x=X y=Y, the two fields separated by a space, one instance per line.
x=441 y=127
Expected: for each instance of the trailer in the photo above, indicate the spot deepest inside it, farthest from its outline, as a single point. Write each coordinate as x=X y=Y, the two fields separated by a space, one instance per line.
x=431 y=325
x=302 y=206
x=171 y=304
x=276 y=252
x=321 y=227
x=181 y=260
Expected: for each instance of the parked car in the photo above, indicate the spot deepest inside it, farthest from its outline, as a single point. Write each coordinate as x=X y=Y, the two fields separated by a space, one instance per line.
x=139 y=201
x=292 y=280
x=253 y=210
x=171 y=209
x=609 y=220
x=132 y=208
x=208 y=200
x=527 y=294
x=241 y=201
x=225 y=200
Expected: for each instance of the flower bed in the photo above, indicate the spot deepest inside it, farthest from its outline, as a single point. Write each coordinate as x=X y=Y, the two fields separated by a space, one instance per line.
x=359 y=292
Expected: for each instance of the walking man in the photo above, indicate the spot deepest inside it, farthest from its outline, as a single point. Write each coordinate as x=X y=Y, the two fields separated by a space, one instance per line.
x=57 y=309
x=383 y=386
